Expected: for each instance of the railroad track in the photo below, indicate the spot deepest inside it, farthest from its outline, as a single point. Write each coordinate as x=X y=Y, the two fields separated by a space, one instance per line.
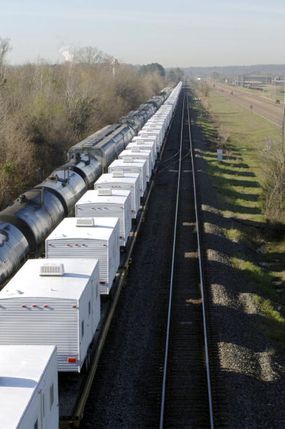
x=86 y=384
x=186 y=395
x=137 y=385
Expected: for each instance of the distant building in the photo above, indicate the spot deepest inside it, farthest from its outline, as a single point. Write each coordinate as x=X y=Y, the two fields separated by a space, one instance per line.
x=278 y=81
x=256 y=81
x=262 y=79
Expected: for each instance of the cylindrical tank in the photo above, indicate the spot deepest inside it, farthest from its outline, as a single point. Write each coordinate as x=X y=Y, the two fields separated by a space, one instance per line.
x=35 y=213
x=85 y=146
x=14 y=248
x=87 y=167
x=67 y=185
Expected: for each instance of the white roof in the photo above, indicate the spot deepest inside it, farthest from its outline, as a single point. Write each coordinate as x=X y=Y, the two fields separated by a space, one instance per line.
x=127 y=178
x=139 y=151
x=142 y=142
x=122 y=163
x=68 y=229
x=119 y=196
x=150 y=134
x=139 y=138
x=155 y=129
x=28 y=282
x=21 y=369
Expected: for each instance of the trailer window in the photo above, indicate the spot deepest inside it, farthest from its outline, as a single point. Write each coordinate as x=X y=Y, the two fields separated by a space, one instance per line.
x=43 y=405
x=89 y=307
x=51 y=396
x=36 y=425
x=82 y=328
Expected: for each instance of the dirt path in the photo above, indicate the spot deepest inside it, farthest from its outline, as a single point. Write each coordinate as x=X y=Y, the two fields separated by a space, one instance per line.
x=253 y=102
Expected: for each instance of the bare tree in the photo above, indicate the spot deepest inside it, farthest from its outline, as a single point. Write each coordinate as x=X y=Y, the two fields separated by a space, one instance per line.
x=4 y=48
x=91 y=55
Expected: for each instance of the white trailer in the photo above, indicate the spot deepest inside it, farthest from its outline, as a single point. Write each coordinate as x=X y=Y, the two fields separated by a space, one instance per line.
x=108 y=203
x=53 y=301
x=131 y=166
x=143 y=144
x=146 y=133
x=137 y=153
x=90 y=238
x=158 y=132
x=28 y=387
x=120 y=180
x=158 y=123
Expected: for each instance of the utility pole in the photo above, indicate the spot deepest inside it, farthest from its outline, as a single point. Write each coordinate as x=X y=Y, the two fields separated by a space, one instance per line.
x=115 y=65
x=283 y=119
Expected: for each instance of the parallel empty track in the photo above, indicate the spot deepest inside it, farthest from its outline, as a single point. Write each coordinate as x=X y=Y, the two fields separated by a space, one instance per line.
x=186 y=392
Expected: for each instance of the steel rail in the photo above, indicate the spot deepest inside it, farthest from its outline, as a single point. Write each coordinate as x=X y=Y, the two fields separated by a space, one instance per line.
x=201 y=272
x=78 y=412
x=165 y=365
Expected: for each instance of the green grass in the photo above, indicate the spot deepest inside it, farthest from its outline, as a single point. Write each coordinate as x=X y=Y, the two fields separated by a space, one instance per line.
x=256 y=275
x=249 y=133
x=269 y=310
x=273 y=93
x=275 y=323
x=235 y=235
x=261 y=286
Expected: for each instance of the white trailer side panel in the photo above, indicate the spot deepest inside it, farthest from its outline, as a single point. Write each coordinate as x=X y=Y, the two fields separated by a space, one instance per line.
x=97 y=238
x=142 y=145
x=46 y=310
x=128 y=181
x=93 y=204
x=139 y=155
x=131 y=167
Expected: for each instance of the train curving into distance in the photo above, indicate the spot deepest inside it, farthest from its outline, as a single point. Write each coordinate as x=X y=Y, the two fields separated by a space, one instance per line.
x=27 y=222
x=51 y=310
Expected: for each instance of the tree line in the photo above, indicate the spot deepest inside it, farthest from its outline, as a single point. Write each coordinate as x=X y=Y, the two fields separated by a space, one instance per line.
x=46 y=108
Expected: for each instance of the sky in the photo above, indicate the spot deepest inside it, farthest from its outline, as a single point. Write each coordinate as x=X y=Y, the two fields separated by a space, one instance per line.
x=176 y=33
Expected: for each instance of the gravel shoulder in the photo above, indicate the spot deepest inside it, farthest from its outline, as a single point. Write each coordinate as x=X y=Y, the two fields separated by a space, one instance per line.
x=251 y=366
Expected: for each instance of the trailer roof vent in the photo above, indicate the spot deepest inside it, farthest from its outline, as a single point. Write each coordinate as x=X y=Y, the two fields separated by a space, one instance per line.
x=85 y=221
x=118 y=173
x=105 y=192
x=135 y=149
x=127 y=160
x=51 y=269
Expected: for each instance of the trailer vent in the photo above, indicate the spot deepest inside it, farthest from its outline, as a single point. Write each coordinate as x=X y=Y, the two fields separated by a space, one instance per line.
x=105 y=192
x=135 y=149
x=118 y=173
x=49 y=269
x=85 y=221
x=127 y=160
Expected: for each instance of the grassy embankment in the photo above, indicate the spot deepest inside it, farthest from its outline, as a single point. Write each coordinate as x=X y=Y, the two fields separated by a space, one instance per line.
x=238 y=181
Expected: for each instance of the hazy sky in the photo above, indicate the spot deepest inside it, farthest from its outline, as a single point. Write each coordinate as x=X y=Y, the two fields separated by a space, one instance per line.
x=174 y=33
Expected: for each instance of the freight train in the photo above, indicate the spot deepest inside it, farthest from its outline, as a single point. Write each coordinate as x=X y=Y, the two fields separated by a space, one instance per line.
x=51 y=309
x=27 y=222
